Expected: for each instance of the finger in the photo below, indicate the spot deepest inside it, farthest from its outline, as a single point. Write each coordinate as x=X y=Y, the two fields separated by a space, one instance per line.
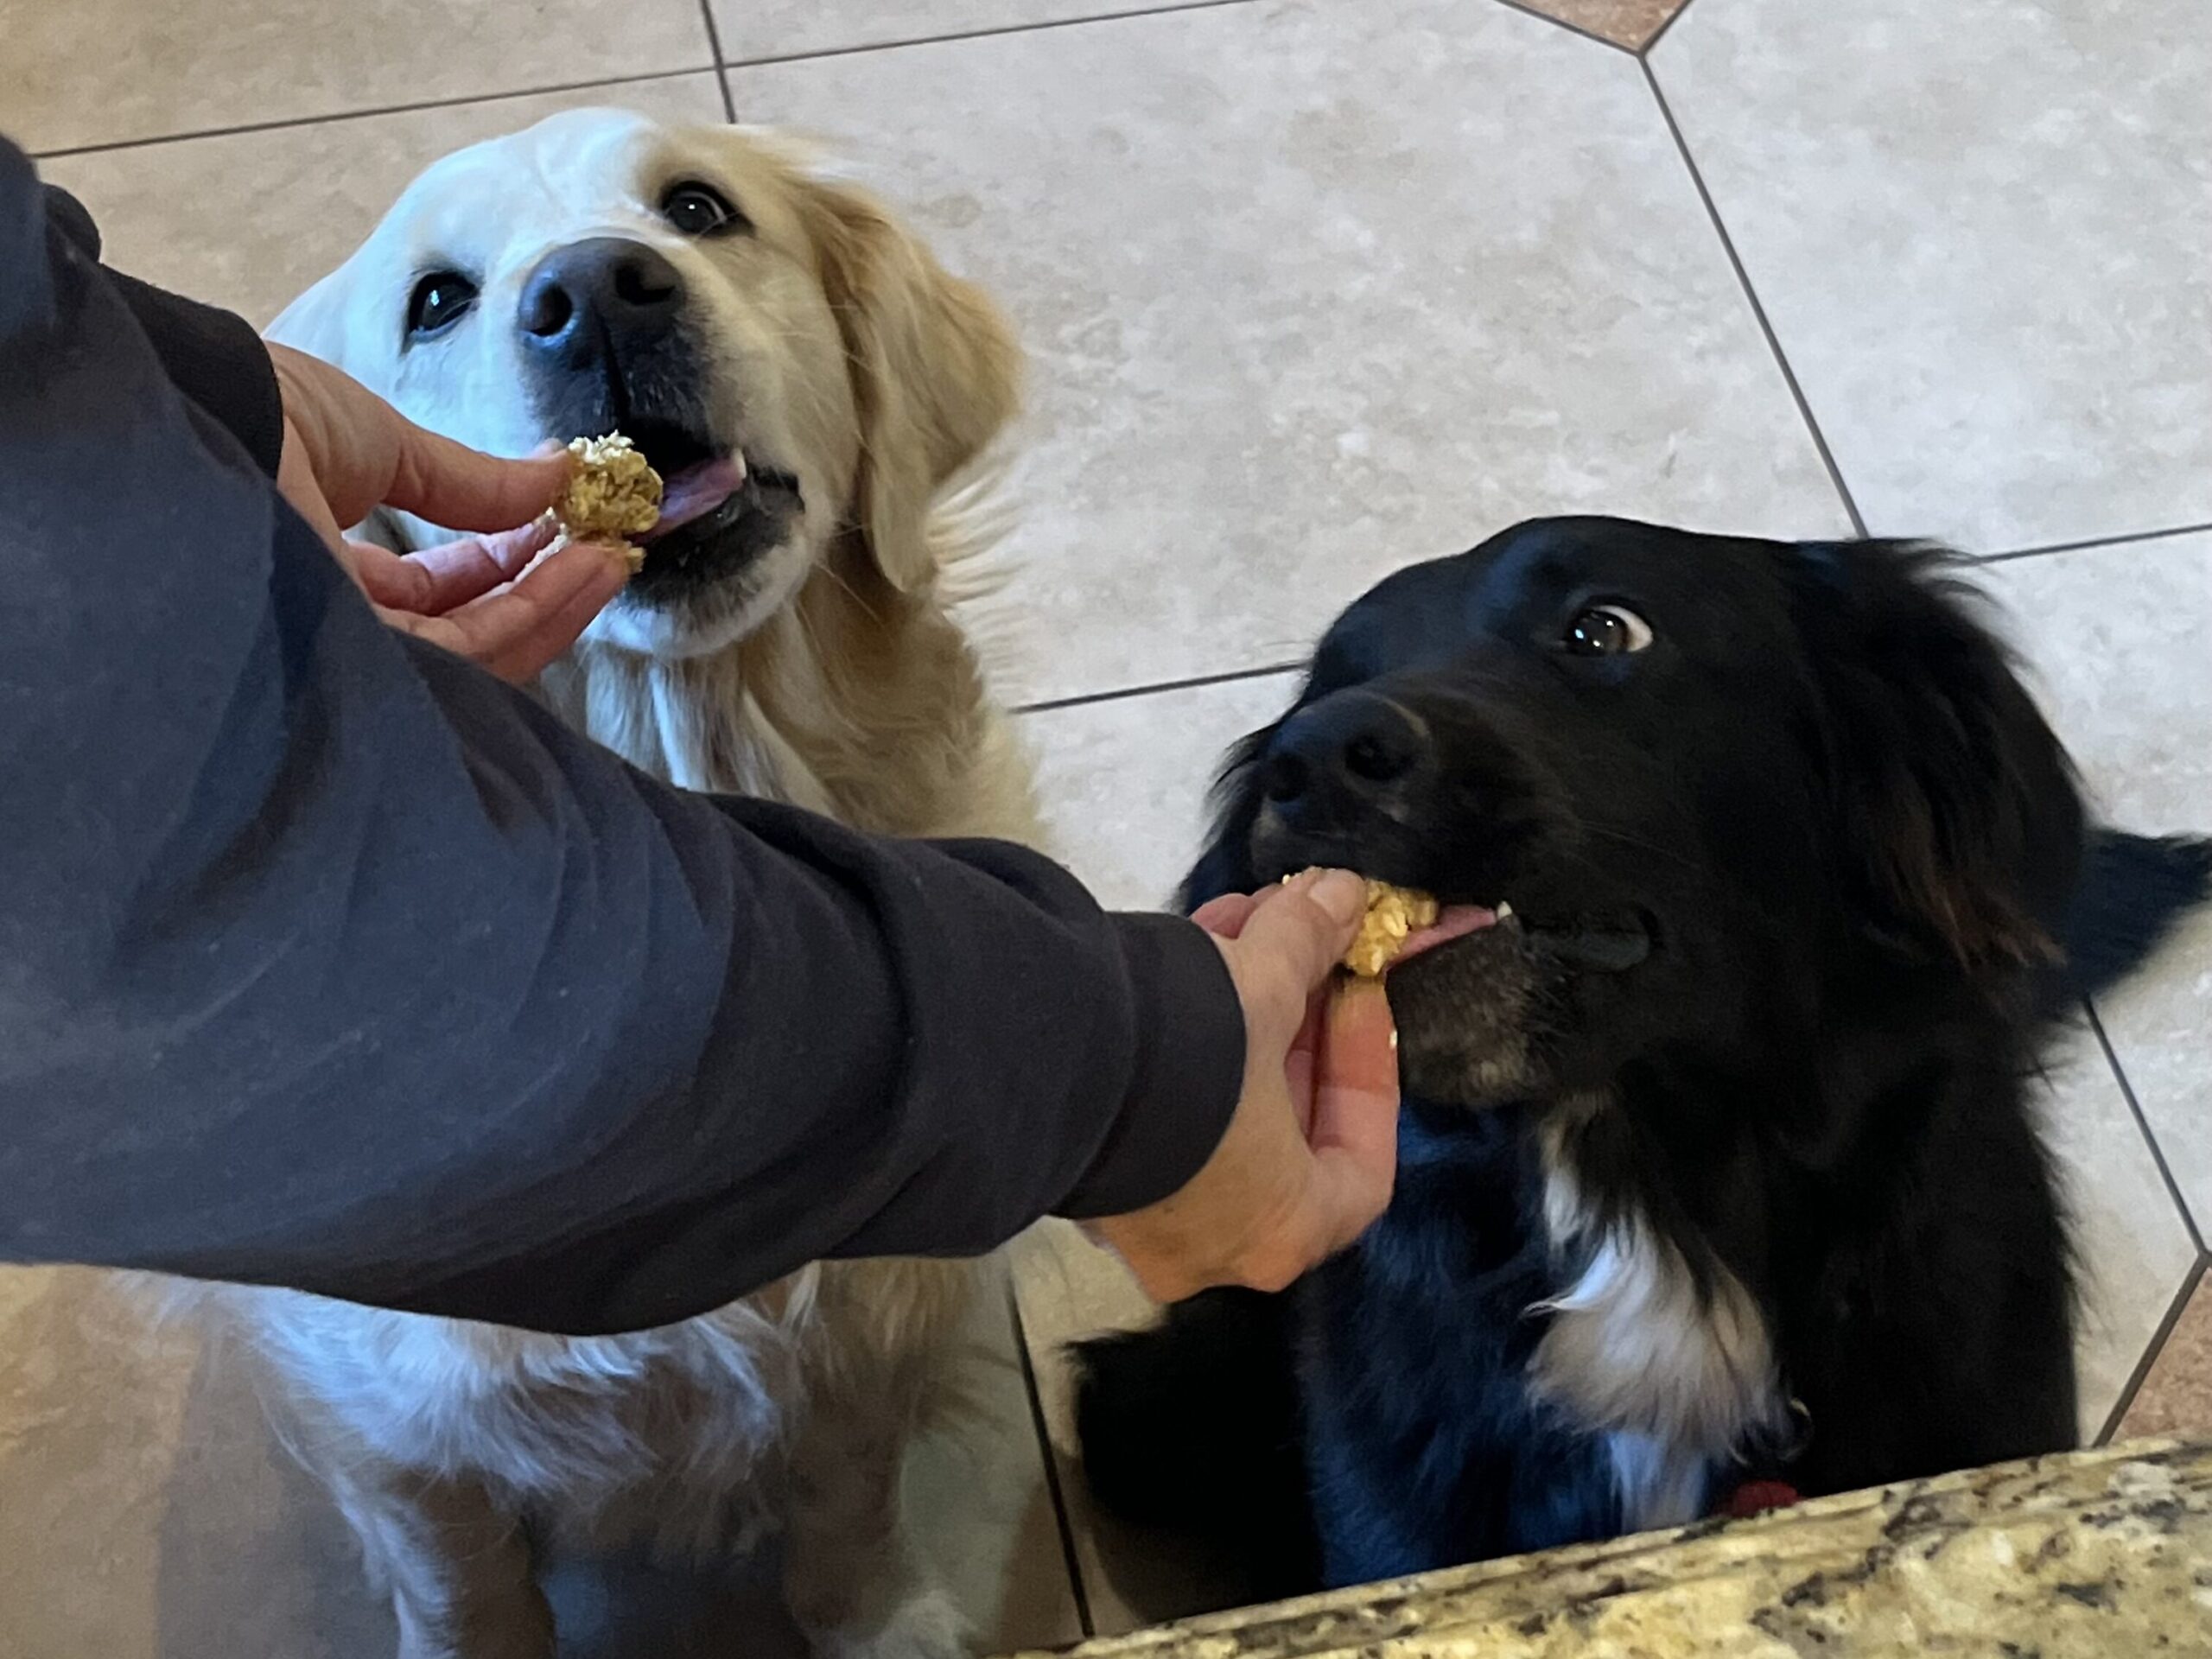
x=1298 y=935
x=442 y=578
x=449 y=483
x=528 y=625
x=1355 y=1129
x=1225 y=916
x=295 y=482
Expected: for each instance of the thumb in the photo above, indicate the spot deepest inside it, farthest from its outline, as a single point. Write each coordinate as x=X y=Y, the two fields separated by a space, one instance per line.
x=1296 y=936
x=462 y=488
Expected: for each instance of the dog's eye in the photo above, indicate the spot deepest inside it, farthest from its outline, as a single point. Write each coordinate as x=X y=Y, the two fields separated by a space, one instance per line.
x=438 y=301
x=699 y=210
x=1606 y=630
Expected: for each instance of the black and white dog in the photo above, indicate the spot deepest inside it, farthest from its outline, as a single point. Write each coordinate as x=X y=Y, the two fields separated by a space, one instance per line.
x=1719 y=1161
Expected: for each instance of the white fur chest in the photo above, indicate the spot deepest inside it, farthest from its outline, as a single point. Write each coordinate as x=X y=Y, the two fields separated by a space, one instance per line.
x=1678 y=1373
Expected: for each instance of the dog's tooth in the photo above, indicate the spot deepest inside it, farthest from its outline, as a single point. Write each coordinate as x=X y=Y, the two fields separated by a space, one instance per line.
x=1502 y=910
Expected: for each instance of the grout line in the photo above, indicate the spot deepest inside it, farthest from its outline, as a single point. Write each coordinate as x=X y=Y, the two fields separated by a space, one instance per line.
x=2151 y=1350
x=1051 y=1458
x=1528 y=10
x=1123 y=693
x=2143 y=1126
x=1660 y=34
x=714 y=46
x=336 y=117
x=1743 y=277
x=2122 y=540
x=982 y=33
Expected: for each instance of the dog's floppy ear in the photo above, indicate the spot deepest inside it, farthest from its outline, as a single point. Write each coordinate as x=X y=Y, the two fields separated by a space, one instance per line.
x=315 y=322
x=1957 y=810
x=935 y=369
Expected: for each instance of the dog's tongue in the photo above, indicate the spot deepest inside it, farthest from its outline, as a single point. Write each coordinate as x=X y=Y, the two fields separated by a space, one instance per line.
x=695 y=490
x=1452 y=922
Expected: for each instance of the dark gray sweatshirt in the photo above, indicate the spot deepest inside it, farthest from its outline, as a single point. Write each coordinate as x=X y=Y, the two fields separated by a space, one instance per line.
x=327 y=960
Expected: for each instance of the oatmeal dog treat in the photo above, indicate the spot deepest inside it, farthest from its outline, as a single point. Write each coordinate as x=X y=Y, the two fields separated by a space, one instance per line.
x=614 y=494
x=1392 y=914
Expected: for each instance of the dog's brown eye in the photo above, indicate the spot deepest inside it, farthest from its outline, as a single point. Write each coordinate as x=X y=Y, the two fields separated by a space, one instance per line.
x=439 y=302
x=1606 y=630
x=699 y=210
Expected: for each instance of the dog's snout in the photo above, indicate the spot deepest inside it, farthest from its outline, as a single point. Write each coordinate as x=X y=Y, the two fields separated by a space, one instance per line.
x=1342 y=752
x=593 y=296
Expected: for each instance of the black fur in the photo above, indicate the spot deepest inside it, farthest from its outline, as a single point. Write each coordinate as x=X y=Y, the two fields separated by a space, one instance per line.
x=1801 y=885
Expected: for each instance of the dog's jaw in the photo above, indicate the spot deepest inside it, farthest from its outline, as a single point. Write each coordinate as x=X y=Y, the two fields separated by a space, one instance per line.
x=715 y=617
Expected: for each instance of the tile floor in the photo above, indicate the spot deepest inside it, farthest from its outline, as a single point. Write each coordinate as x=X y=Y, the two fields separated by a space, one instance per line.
x=1313 y=287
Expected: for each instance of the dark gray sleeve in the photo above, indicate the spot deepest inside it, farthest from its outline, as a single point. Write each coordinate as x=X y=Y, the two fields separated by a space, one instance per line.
x=327 y=961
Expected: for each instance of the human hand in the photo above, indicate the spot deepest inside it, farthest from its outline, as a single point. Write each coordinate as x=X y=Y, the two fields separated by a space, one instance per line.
x=1309 y=1157
x=347 y=452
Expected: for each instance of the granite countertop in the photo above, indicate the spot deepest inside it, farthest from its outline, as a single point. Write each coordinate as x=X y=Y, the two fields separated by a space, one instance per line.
x=2102 y=1554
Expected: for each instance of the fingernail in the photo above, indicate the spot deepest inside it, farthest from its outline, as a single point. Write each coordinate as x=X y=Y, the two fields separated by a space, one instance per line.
x=1341 y=894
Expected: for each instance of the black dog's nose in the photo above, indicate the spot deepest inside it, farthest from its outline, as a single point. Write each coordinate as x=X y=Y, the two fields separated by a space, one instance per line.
x=606 y=296
x=1342 y=752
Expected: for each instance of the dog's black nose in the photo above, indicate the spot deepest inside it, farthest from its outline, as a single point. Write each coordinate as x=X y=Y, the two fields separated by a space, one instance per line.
x=1342 y=753
x=597 y=298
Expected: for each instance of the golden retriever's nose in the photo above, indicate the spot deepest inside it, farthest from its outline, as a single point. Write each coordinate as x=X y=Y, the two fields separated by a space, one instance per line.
x=598 y=299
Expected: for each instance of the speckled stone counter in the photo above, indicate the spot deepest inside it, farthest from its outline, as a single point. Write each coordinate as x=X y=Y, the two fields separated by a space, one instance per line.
x=2103 y=1554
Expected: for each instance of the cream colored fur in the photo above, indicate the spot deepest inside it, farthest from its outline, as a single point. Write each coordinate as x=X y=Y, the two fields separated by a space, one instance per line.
x=833 y=676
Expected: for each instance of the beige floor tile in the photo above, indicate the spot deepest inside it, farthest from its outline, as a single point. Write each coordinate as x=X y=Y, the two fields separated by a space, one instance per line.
x=247 y=221
x=1313 y=291
x=1980 y=231
x=125 y=70
x=1630 y=23
x=1124 y=783
x=752 y=29
x=2176 y=1397
x=2115 y=638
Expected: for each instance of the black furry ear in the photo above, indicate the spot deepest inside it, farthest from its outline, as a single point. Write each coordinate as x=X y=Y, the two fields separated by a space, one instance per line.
x=1957 y=810
x=1226 y=864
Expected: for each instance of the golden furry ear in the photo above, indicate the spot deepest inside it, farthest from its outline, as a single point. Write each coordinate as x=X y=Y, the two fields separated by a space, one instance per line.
x=936 y=370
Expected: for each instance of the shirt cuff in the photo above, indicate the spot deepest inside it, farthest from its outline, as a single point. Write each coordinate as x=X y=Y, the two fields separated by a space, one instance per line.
x=1189 y=1074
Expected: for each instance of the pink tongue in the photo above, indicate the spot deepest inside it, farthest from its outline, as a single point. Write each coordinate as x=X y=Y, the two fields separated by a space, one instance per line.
x=695 y=491
x=1453 y=922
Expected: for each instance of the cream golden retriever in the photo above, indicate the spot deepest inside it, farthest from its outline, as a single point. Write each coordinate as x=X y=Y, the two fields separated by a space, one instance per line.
x=813 y=386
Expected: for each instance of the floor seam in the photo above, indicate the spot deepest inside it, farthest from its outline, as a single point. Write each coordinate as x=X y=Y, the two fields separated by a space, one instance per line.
x=1758 y=310
x=768 y=60
x=2090 y=543
x=1070 y=1557
x=721 y=70
x=2189 y=1282
x=1155 y=688
x=2143 y=1126
x=335 y=117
